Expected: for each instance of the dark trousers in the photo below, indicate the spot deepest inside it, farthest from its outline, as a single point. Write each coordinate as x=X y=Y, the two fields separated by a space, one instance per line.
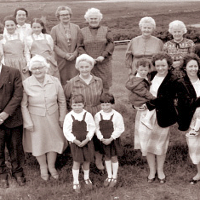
x=12 y=138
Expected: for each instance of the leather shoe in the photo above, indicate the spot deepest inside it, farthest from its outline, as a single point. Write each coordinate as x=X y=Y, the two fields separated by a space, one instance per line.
x=20 y=180
x=193 y=182
x=4 y=183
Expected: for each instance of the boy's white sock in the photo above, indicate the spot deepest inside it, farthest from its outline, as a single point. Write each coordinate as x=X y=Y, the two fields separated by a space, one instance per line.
x=115 y=167
x=75 y=174
x=86 y=174
x=109 y=168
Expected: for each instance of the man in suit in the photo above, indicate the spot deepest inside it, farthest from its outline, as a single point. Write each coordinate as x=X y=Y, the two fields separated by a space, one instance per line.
x=11 y=128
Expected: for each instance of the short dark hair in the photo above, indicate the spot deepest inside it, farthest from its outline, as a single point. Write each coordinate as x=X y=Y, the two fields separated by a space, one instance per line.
x=161 y=56
x=107 y=98
x=37 y=20
x=77 y=98
x=188 y=57
x=143 y=62
x=23 y=9
x=9 y=18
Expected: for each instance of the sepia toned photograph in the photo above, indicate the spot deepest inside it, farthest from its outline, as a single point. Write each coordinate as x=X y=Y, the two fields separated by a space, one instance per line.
x=99 y=100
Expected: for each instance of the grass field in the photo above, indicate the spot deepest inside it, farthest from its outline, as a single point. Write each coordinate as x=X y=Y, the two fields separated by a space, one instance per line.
x=132 y=184
x=133 y=167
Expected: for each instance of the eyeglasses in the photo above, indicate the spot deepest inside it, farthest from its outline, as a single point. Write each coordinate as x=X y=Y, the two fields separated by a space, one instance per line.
x=64 y=15
x=37 y=68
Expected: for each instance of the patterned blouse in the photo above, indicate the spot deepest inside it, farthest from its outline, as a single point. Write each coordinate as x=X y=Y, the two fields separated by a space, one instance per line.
x=178 y=50
x=91 y=92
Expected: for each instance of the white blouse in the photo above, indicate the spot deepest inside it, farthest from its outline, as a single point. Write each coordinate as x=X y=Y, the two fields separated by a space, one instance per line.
x=156 y=82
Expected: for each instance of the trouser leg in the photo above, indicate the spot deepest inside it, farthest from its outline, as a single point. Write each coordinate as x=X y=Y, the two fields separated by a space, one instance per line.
x=3 y=173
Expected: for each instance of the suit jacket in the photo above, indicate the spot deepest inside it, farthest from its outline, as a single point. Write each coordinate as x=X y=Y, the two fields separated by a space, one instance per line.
x=41 y=100
x=164 y=103
x=11 y=93
x=187 y=102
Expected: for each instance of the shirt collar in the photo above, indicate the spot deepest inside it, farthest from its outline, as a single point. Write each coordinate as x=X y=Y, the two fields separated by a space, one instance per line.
x=137 y=75
x=19 y=26
x=38 y=36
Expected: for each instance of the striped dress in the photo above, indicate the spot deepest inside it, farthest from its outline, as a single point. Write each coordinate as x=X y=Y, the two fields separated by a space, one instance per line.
x=194 y=141
x=91 y=92
x=153 y=141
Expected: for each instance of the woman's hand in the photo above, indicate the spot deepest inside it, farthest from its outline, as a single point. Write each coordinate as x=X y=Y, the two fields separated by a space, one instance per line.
x=67 y=56
x=107 y=141
x=72 y=57
x=99 y=59
x=30 y=128
x=77 y=142
x=84 y=142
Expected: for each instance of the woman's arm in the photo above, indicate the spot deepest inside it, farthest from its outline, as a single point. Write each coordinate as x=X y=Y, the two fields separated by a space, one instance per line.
x=81 y=46
x=129 y=56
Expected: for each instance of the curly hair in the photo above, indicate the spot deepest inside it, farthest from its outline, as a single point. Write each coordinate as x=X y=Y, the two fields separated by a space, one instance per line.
x=161 y=56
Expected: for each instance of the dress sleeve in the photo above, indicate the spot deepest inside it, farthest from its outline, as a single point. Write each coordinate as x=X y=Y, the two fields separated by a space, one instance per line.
x=27 y=121
x=129 y=55
x=67 y=91
x=67 y=128
x=192 y=47
x=81 y=46
x=110 y=44
x=118 y=124
x=90 y=125
x=61 y=101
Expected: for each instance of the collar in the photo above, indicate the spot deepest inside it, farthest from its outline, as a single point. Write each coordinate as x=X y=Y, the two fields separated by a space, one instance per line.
x=94 y=27
x=178 y=41
x=77 y=78
x=34 y=81
x=19 y=26
x=137 y=75
x=11 y=35
x=38 y=36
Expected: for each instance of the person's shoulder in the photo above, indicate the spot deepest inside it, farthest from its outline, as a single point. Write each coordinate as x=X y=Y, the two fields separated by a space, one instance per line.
x=155 y=39
x=116 y=113
x=136 y=38
x=97 y=78
x=74 y=25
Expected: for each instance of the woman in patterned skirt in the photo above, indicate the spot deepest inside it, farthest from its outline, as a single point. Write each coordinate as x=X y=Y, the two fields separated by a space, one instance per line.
x=153 y=143
x=188 y=92
x=179 y=46
x=97 y=41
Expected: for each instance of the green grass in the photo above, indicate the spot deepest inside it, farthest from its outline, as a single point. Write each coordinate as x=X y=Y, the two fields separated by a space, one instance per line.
x=132 y=184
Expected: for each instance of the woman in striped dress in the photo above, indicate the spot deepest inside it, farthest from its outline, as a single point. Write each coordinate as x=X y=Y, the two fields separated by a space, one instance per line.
x=153 y=143
x=91 y=88
x=188 y=92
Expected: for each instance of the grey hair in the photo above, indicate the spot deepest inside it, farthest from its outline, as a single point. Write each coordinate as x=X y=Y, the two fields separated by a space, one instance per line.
x=38 y=59
x=177 y=23
x=60 y=8
x=147 y=20
x=93 y=11
x=86 y=58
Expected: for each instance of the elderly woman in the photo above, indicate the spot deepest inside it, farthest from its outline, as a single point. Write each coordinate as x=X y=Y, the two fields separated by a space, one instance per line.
x=143 y=46
x=179 y=46
x=14 y=48
x=153 y=143
x=43 y=110
x=65 y=36
x=91 y=88
x=97 y=41
x=23 y=29
x=188 y=92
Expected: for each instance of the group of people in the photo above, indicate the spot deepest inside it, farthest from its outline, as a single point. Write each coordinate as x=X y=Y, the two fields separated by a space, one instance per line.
x=54 y=90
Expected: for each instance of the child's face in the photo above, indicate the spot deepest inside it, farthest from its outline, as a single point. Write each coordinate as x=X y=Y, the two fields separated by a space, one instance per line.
x=143 y=71
x=77 y=107
x=10 y=26
x=37 y=28
x=106 y=107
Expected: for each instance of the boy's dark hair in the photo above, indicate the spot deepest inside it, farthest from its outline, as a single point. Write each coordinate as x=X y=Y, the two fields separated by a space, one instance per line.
x=143 y=62
x=77 y=98
x=107 y=98
x=9 y=18
x=23 y=9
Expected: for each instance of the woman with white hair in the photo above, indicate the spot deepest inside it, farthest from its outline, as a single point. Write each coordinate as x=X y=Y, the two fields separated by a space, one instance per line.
x=91 y=88
x=179 y=46
x=97 y=41
x=143 y=46
x=43 y=109
x=65 y=36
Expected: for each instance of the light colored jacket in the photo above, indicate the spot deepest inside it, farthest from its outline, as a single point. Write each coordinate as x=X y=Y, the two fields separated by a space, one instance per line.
x=43 y=99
